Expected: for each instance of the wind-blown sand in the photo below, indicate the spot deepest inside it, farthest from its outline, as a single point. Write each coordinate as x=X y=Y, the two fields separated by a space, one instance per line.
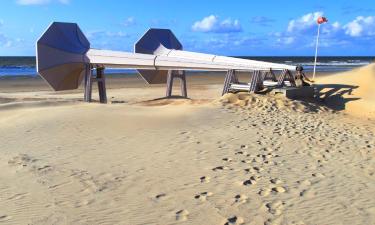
x=353 y=90
x=239 y=159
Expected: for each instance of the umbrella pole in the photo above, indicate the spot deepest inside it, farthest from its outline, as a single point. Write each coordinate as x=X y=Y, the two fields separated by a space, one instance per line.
x=316 y=51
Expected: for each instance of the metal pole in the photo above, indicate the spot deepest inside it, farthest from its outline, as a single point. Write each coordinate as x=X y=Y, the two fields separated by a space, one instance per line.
x=316 y=51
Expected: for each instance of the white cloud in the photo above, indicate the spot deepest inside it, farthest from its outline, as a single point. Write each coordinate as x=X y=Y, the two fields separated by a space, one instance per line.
x=305 y=22
x=212 y=24
x=7 y=42
x=361 y=26
x=40 y=2
x=262 y=20
x=129 y=22
x=112 y=40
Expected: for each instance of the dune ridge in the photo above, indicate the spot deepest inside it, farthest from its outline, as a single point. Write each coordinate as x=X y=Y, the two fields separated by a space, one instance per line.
x=352 y=91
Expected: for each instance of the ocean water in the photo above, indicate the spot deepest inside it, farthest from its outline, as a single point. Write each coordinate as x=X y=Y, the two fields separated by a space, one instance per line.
x=25 y=66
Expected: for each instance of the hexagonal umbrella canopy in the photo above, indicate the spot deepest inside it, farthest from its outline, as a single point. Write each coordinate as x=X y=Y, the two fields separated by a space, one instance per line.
x=151 y=42
x=61 y=59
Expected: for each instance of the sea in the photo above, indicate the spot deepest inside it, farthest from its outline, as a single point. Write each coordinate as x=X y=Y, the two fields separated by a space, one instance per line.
x=25 y=66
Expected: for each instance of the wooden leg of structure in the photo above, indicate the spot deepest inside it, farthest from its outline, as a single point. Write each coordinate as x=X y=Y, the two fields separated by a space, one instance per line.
x=230 y=78
x=280 y=81
x=100 y=78
x=270 y=75
x=273 y=76
x=286 y=75
x=254 y=83
x=183 y=84
x=88 y=84
x=172 y=74
x=169 y=84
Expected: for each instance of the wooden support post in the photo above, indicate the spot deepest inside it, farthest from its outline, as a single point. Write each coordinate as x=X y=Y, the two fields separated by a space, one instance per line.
x=280 y=81
x=262 y=75
x=169 y=83
x=230 y=78
x=100 y=78
x=254 y=83
x=88 y=84
x=286 y=75
x=183 y=84
x=172 y=74
x=270 y=75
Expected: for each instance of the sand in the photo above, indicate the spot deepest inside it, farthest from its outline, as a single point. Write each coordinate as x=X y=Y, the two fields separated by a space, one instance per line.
x=238 y=159
x=352 y=91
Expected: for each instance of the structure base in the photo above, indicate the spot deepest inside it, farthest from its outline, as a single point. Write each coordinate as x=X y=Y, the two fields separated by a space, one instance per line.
x=179 y=74
x=100 y=79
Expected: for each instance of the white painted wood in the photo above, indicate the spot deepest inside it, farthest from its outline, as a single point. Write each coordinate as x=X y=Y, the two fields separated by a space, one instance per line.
x=116 y=59
x=256 y=65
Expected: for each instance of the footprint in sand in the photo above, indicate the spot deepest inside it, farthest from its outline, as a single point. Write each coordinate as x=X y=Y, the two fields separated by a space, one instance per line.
x=251 y=181
x=219 y=168
x=243 y=146
x=275 y=207
x=159 y=196
x=234 y=220
x=275 y=181
x=203 y=196
x=240 y=199
x=319 y=175
x=4 y=218
x=278 y=189
x=182 y=215
x=265 y=192
x=240 y=153
x=21 y=160
x=205 y=179
x=258 y=169
x=306 y=193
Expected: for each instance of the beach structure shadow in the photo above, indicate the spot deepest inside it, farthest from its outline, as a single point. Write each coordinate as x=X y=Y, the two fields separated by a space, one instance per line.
x=335 y=96
x=172 y=100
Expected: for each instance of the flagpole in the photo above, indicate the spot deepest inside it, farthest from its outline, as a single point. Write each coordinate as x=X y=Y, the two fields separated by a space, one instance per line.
x=316 y=51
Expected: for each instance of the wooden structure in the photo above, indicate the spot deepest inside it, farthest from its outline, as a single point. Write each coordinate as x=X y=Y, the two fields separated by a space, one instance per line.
x=65 y=58
x=172 y=74
x=258 y=81
x=100 y=79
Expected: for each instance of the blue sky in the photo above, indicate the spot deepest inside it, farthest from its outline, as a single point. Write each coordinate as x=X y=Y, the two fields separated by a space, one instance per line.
x=262 y=28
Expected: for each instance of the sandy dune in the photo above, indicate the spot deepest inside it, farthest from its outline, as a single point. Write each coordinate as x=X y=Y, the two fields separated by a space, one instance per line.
x=353 y=91
x=239 y=159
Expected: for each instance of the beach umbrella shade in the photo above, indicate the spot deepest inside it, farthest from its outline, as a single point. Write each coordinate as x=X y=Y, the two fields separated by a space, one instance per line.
x=61 y=52
x=150 y=43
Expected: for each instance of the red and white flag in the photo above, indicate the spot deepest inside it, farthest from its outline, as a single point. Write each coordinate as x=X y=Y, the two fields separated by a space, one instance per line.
x=321 y=20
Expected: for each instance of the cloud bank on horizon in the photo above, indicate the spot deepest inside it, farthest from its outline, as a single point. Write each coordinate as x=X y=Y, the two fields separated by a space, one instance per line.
x=350 y=31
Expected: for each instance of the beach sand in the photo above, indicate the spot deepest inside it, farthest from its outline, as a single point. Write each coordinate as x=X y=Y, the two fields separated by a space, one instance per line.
x=236 y=159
